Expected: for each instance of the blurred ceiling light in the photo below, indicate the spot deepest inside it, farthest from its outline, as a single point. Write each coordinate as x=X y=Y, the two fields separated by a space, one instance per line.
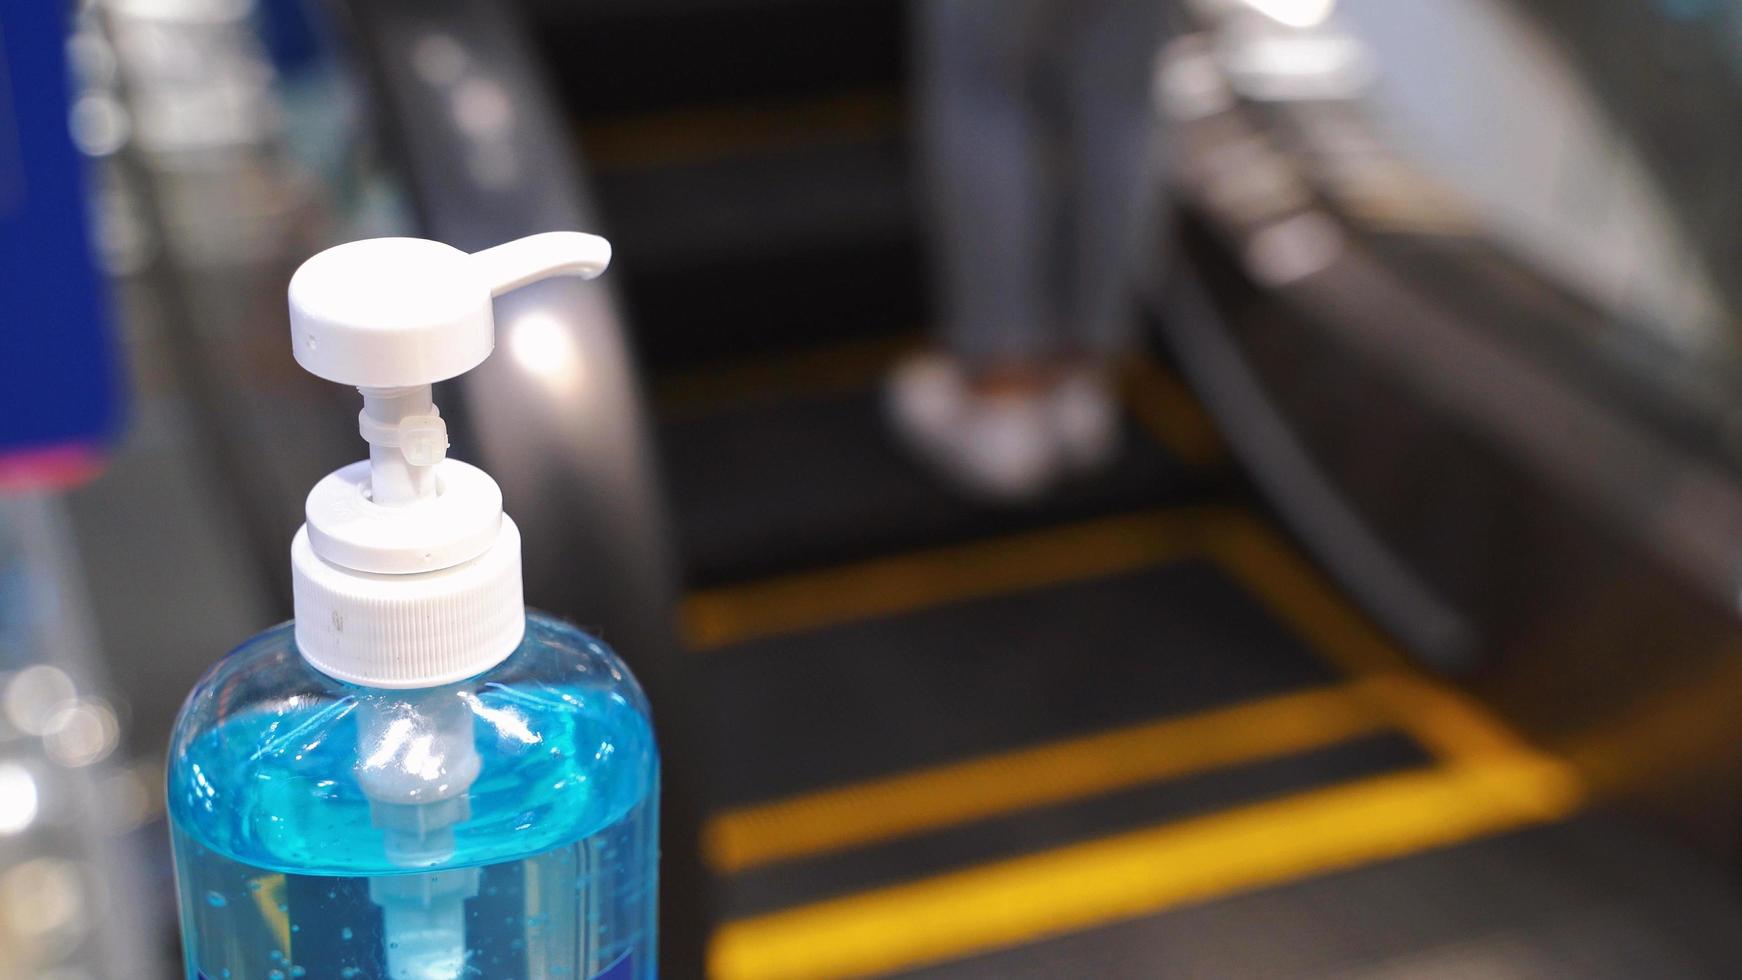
x=1188 y=82
x=42 y=896
x=545 y=350
x=81 y=732
x=99 y=125
x=184 y=11
x=482 y=109
x=127 y=797
x=1295 y=13
x=92 y=58
x=33 y=695
x=1293 y=248
x=439 y=59
x=1274 y=66
x=18 y=799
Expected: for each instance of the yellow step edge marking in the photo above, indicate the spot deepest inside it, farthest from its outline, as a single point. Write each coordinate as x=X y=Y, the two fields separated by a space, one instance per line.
x=841 y=367
x=1085 y=885
x=1688 y=726
x=714 y=618
x=696 y=135
x=959 y=793
x=1451 y=725
x=1170 y=413
x=1292 y=589
x=1448 y=723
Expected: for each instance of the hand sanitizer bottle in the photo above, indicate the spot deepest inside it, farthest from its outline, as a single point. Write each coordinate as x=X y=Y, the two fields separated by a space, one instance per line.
x=416 y=779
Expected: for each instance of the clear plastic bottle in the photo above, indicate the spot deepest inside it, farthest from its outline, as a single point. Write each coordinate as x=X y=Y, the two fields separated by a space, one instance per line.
x=415 y=779
x=543 y=867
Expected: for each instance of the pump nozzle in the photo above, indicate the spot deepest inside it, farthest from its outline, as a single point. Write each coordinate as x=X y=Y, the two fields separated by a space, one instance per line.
x=407 y=573
x=393 y=316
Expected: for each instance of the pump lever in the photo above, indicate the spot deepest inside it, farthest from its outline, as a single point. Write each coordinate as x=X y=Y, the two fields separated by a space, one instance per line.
x=552 y=253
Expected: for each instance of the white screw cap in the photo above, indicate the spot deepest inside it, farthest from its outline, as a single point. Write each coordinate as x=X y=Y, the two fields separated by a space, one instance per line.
x=407 y=573
x=409 y=631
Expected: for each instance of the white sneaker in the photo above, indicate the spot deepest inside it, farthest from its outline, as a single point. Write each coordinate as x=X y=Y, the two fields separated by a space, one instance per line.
x=1003 y=447
x=1085 y=419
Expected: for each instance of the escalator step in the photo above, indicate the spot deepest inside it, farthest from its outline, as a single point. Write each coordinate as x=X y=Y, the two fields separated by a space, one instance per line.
x=1593 y=899
x=866 y=699
x=824 y=471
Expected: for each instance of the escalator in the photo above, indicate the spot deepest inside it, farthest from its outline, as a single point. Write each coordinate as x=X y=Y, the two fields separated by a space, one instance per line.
x=1135 y=731
x=1397 y=641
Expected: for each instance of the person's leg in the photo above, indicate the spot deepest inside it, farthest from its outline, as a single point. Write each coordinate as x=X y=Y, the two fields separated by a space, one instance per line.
x=1107 y=73
x=1111 y=182
x=987 y=192
x=971 y=407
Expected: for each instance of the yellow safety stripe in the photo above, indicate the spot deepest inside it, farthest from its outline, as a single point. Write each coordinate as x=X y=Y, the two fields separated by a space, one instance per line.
x=957 y=793
x=714 y=618
x=1140 y=873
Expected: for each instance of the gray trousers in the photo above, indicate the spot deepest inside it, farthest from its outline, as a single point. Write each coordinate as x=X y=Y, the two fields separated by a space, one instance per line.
x=1035 y=131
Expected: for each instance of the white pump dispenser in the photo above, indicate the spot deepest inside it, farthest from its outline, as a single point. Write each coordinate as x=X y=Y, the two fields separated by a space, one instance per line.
x=407 y=573
x=416 y=736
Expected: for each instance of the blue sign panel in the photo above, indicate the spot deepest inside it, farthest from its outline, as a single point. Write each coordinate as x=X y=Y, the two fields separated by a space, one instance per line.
x=59 y=388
